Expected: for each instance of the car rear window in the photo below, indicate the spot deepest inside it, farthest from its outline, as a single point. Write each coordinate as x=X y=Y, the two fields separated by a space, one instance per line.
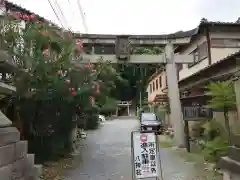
x=149 y=117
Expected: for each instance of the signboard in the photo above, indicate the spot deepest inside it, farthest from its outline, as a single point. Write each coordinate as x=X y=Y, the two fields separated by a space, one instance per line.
x=145 y=158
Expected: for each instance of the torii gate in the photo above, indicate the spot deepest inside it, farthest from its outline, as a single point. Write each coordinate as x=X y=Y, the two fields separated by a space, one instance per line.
x=168 y=58
x=124 y=104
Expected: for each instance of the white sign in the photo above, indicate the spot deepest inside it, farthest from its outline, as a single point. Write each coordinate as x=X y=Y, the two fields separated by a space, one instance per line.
x=145 y=159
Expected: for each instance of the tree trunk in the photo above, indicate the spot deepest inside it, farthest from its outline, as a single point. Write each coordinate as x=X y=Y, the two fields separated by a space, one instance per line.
x=227 y=126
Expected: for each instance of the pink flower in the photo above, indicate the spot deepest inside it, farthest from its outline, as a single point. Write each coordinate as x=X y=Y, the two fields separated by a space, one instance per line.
x=67 y=81
x=26 y=17
x=92 y=100
x=79 y=44
x=32 y=16
x=73 y=93
x=46 y=52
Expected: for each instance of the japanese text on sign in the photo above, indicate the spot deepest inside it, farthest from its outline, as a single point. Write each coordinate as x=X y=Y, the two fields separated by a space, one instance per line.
x=145 y=155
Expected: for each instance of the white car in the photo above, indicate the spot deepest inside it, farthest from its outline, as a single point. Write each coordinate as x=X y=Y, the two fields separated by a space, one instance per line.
x=101 y=118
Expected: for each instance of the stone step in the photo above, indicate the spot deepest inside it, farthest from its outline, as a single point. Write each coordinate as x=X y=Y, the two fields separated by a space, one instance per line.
x=228 y=164
x=21 y=149
x=9 y=135
x=35 y=173
x=235 y=140
x=30 y=159
x=234 y=153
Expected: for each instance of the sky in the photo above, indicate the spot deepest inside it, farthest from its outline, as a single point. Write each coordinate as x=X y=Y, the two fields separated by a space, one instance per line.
x=134 y=16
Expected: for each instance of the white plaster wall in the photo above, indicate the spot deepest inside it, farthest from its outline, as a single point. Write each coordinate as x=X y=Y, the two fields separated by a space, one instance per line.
x=185 y=71
x=158 y=91
x=218 y=54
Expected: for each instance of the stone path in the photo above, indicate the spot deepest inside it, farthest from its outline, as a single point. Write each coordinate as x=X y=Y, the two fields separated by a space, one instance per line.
x=106 y=155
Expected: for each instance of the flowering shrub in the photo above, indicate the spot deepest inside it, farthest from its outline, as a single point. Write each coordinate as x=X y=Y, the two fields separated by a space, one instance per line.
x=50 y=89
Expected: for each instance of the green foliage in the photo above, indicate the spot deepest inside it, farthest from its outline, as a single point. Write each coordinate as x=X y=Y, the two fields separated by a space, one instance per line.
x=215 y=149
x=212 y=129
x=222 y=95
x=109 y=106
x=167 y=108
x=198 y=129
x=153 y=50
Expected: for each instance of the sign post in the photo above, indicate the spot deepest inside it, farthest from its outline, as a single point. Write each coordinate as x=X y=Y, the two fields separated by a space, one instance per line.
x=146 y=161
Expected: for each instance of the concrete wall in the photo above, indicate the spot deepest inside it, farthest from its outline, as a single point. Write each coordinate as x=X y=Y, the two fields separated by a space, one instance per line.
x=233 y=120
x=219 y=53
x=15 y=163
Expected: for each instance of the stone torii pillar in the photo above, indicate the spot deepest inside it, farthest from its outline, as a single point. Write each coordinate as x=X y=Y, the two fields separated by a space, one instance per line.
x=174 y=97
x=128 y=108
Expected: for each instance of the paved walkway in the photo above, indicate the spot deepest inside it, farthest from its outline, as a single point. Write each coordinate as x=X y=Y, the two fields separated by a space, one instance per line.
x=106 y=155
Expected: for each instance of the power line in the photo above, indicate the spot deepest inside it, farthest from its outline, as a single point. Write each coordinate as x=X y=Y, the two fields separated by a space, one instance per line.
x=56 y=14
x=69 y=2
x=62 y=14
x=82 y=16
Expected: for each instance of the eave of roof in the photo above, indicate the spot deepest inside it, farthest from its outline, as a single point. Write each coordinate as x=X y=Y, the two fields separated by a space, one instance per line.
x=180 y=34
x=202 y=25
x=215 y=64
x=158 y=72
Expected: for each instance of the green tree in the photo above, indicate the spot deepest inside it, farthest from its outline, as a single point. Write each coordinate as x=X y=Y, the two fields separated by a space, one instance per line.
x=223 y=98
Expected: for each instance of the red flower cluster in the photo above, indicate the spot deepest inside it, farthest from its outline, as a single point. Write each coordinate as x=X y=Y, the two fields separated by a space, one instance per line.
x=79 y=44
x=72 y=90
x=46 y=53
x=97 y=89
x=92 y=100
x=25 y=17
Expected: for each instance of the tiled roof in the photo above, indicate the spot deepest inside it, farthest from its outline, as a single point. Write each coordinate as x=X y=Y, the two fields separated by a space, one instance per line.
x=179 y=34
x=203 y=24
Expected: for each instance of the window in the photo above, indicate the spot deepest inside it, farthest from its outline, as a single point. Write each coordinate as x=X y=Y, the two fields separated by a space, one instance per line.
x=148 y=117
x=150 y=88
x=160 y=81
x=153 y=86
x=199 y=54
x=156 y=84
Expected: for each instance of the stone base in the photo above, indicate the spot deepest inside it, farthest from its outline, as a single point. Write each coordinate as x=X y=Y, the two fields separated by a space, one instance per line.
x=230 y=176
x=15 y=163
